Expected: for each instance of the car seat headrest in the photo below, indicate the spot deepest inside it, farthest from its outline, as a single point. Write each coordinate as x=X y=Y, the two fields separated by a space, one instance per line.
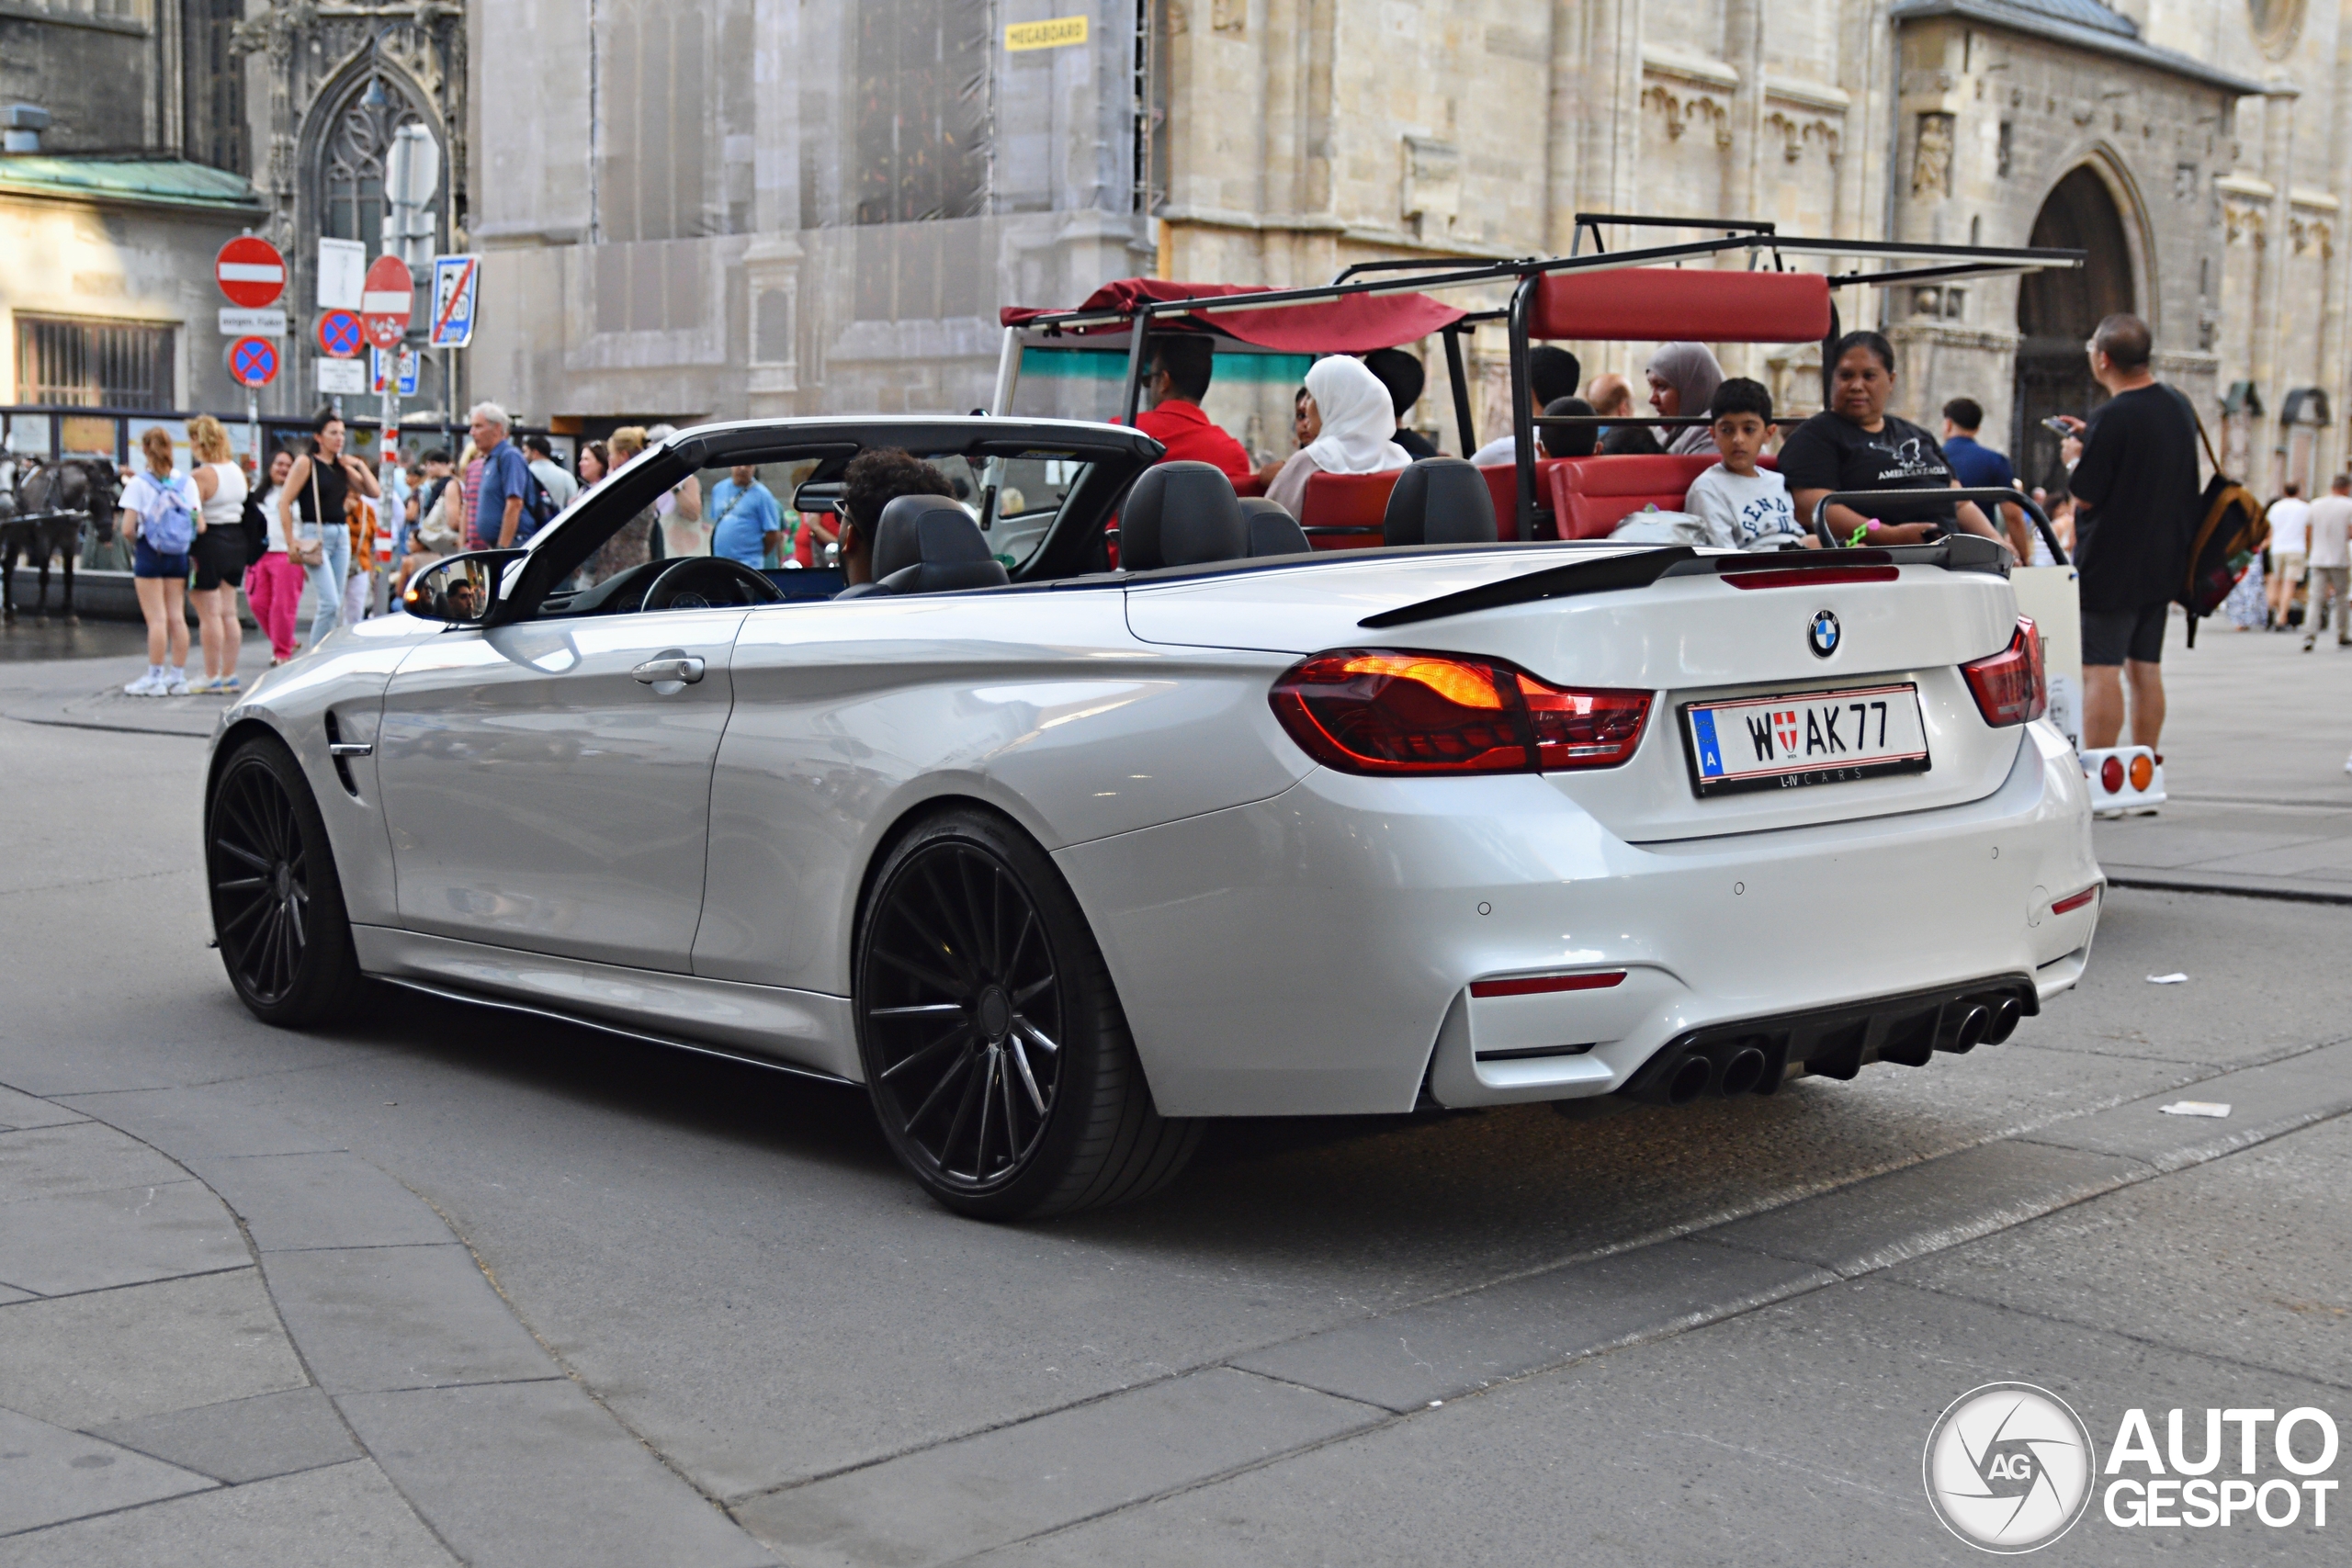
x=1181 y=515
x=1439 y=501
x=927 y=544
x=1272 y=530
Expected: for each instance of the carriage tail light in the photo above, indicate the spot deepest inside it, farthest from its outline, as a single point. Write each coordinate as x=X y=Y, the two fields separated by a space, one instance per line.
x=1385 y=711
x=2111 y=776
x=2143 y=771
x=2009 y=686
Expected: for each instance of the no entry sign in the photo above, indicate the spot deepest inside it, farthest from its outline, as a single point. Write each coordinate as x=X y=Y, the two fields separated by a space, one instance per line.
x=384 y=306
x=339 y=334
x=253 y=361
x=250 y=272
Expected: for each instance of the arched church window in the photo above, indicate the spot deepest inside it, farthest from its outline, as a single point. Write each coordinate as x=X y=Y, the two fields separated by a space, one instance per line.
x=351 y=173
x=2277 y=24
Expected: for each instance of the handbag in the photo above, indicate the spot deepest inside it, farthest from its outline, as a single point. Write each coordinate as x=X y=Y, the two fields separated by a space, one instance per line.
x=308 y=552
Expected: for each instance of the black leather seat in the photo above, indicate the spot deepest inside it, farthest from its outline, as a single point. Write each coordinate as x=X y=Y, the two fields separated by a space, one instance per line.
x=1181 y=515
x=927 y=544
x=1439 y=501
x=1273 y=531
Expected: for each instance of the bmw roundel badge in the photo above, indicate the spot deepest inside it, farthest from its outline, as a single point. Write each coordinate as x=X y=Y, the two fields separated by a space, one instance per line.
x=1823 y=634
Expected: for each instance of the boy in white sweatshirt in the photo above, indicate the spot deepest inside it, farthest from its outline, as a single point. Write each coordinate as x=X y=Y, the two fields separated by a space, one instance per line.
x=1742 y=506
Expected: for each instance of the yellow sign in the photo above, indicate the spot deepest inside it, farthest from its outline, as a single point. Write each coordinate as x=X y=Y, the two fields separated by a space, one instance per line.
x=1059 y=33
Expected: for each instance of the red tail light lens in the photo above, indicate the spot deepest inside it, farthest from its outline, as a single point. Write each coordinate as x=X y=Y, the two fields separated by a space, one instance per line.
x=2009 y=686
x=1381 y=711
x=2111 y=776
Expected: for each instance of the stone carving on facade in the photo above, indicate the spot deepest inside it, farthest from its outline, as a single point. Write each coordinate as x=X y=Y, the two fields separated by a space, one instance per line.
x=1684 y=109
x=1797 y=134
x=2309 y=234
x=319 y=53
x=2245 y=218
x=1932 y=156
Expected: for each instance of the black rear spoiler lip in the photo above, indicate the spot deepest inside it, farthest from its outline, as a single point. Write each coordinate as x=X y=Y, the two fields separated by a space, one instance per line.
x=1639 y=568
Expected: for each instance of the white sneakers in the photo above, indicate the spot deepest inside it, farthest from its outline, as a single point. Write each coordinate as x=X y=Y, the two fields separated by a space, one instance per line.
x=161 y=680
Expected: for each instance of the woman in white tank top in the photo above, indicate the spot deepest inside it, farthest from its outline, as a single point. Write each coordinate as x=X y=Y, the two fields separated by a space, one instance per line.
x=218 y=555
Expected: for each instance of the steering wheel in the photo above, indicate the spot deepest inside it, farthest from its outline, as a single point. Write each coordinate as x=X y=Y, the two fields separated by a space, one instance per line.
x=707 y=582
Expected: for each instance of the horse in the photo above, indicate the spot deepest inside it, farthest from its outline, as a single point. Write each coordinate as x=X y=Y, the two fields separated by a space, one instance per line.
x=45 y=519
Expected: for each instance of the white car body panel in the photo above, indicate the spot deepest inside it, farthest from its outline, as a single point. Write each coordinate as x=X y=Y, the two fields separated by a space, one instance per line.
x=536 y=827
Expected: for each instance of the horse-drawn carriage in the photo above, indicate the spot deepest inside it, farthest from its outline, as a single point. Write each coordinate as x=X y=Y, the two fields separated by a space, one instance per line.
x=49 y=507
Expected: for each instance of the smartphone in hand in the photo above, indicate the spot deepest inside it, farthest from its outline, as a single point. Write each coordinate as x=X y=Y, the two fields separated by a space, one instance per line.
x=2057 y=426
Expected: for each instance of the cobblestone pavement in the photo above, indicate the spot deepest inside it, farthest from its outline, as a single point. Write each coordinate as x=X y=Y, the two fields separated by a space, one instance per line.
x=444 y=1285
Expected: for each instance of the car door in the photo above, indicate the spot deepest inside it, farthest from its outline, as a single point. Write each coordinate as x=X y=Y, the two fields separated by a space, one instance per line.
x=546 y=783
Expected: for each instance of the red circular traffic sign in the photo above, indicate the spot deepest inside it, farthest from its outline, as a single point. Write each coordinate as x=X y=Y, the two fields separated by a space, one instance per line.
x=339 y=334
x=385 y=300
x=250 y=272
x=253 y=361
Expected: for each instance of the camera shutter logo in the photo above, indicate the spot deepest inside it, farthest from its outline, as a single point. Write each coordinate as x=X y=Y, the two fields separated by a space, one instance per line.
x=2009 y=1467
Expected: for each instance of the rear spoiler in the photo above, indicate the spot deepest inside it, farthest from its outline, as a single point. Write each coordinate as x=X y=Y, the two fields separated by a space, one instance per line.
x=1639 y=567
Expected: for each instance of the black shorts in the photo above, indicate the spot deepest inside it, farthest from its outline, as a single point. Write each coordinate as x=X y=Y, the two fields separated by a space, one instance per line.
x=2110 y=637
x=219 y=557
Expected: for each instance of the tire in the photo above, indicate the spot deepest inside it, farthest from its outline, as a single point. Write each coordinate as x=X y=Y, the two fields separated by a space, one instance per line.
x=277 y=910
x=994 y=1046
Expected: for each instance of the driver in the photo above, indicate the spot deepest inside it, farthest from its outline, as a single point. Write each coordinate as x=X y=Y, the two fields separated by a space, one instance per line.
x=460 y=597
x=872 y=481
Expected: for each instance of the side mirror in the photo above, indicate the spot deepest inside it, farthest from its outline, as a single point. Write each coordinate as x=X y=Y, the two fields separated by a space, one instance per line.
x=460 y=589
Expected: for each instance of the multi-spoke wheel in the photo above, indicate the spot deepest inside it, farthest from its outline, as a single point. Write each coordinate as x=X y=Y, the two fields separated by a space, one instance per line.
x=999 y=1060
x=277 y=906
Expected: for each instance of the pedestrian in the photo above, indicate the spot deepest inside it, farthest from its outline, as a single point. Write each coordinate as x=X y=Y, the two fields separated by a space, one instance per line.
x=159 y=508
x=746 y=522
x=2330 y=562
x=494 y=504
x=632 y=545
x=2136 y=491
x=218 y=553
x=1978 y=467
x=274 y=584
x=2290 y=518
x=320 y=489
x=560 y=484
x=595 y=462
x=683 y=532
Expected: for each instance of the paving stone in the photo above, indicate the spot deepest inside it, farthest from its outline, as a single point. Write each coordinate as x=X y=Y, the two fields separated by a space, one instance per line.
x=87 y=1360
x=1443 y=1348
x=80 y=1157
x=347 y=1517
x=49 y=1474
x=244 y=1439
x=18 y=1112
x=209 y=1119
x=2264 y=1102
x=400 y=1317
x=536 y=1474
x=291 y=1201
x=944 y=1503
x=94 y=1241
x=1927 y=1207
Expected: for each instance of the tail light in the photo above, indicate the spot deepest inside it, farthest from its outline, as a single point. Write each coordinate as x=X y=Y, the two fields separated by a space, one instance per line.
x=1381 y=711
x=2111 y=776
x=2009 y=686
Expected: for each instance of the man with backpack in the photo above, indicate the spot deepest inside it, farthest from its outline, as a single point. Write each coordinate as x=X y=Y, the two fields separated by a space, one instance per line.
x=2136 y=493
x=2330 y=559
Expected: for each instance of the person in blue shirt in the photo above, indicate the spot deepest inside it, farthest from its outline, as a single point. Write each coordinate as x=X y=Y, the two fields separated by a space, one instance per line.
x=745 y=521
x=1979 y=467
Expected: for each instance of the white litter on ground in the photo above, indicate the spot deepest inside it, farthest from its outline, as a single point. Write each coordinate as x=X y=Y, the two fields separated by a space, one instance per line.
x=2195 y=1107
x=2167 y=980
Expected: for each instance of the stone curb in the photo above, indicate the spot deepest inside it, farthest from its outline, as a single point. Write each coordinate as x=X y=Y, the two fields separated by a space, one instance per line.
x=478 y=1427
x=2223 y=881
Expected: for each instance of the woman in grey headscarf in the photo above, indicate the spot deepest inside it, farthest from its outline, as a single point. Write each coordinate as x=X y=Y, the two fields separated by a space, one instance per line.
x=1683 y=378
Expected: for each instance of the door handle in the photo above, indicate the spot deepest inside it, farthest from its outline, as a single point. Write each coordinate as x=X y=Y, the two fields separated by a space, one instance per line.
x=684 y=667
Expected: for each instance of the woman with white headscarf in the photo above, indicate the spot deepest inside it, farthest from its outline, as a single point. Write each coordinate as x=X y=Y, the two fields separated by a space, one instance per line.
x=1683 y=378
x=1356 y=430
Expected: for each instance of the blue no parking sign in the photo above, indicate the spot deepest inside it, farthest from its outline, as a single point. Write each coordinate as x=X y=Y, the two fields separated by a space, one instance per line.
x=253 y=361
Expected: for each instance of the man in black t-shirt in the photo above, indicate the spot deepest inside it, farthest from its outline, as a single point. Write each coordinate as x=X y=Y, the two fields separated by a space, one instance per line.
x=2136 y=487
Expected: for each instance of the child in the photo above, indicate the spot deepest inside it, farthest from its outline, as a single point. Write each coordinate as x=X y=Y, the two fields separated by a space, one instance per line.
x=1743 y=507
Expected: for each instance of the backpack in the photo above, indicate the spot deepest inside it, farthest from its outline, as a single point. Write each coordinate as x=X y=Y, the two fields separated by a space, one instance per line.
x=172 y=527
x=538 y=506
x=254 y=524
x=2231 y=533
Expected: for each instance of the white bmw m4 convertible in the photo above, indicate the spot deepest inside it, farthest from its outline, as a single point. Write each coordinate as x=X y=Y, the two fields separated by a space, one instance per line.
x=1118 y=806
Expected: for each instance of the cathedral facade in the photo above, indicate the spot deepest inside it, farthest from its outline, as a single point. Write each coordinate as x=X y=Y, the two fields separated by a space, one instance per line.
x=710 y=207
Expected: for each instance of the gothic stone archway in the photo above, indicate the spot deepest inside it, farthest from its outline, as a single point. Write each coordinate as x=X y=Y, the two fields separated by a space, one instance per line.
x=2057 y=311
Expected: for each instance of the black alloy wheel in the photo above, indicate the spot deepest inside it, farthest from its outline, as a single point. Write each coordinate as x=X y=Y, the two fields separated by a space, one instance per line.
x=999 y=1060
x=277 y=908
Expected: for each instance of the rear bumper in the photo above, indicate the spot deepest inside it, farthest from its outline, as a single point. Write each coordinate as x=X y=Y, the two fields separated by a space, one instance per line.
x=1312 y=953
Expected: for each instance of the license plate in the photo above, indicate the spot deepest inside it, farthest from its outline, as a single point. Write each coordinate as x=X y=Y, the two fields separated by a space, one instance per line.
x=1805 y=737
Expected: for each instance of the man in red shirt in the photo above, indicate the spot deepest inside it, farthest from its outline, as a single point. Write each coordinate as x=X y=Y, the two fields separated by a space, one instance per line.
x=1180 y=379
